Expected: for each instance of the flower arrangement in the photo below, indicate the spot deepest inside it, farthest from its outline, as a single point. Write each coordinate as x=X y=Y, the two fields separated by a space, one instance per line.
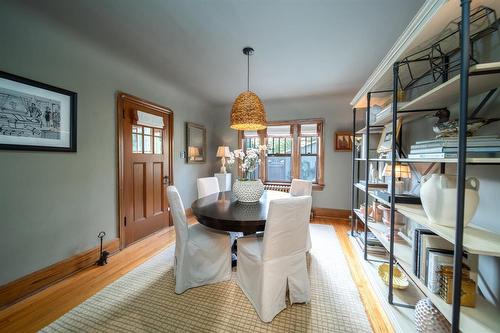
x=249 y=160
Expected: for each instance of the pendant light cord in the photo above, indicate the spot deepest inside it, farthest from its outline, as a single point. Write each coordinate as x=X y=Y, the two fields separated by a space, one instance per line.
x=248 y=72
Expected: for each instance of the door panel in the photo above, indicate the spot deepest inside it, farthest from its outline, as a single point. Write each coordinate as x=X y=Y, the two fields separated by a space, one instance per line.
x=146 y=168
x=158 y=192
x=139 y=190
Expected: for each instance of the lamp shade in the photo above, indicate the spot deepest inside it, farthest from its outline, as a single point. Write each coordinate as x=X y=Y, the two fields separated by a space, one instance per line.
x=248 y=112
x=193 y=151
x=223 y=151
x=402 y=171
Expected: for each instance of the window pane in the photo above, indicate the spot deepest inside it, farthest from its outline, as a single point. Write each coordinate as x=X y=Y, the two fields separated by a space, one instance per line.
x=279 y=168
x=158 y=132
x=308 y=168
x=134 y=143
x=148 y=130
x=158 y=145
x=148 y=143
x=137 y=143
x=308 y=145
x=136 y=129
x=252 y=142
x=276 y=145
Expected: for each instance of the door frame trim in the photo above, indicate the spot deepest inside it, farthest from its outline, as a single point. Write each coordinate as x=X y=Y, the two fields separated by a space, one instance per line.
x=121 y=97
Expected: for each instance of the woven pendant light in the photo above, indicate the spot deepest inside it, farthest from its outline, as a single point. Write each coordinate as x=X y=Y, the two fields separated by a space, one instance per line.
x=248 y=111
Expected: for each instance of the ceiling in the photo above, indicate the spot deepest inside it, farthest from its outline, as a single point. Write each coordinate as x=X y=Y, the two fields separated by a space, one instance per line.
x=302 y=47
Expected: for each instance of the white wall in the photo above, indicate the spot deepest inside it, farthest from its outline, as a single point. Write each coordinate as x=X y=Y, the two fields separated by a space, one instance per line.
x=336 y=111
x=54 y=204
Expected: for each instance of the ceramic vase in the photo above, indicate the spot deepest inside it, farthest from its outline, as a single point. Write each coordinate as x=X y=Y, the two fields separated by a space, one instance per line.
x=248 y=190
x=438 y=194
x=428 y=319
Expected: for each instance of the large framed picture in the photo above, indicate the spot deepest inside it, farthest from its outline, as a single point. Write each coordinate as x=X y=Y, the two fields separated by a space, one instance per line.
x=385 y=143
x=36 y=116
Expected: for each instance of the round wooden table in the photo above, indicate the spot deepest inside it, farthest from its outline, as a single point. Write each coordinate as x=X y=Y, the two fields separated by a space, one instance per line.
x=222 y=211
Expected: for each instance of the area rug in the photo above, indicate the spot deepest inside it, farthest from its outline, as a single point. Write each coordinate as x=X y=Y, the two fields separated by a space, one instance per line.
x=144 y=301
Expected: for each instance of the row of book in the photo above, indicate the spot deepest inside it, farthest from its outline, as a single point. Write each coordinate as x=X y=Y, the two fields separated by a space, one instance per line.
x=477 y=146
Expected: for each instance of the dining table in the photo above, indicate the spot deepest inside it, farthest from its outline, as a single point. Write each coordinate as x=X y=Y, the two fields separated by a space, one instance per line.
x=223 y=211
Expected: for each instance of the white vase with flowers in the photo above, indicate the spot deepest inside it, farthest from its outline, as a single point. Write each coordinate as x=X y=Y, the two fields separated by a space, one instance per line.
x=247 y=188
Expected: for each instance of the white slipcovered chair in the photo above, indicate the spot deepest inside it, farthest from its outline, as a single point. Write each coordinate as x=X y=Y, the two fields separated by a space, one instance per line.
x=202 y=256
x=207 y=186
x=268 y=265
x=300 y=187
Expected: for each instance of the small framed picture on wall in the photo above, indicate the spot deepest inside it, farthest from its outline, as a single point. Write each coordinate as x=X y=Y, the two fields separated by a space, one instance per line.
x=343 y=141
x=36 y=116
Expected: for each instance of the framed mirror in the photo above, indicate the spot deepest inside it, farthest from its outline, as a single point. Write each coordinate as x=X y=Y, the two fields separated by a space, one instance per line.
x=196 y=143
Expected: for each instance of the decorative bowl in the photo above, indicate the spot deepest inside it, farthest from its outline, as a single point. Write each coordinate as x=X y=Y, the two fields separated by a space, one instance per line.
x=400 y=281
x=248 y=190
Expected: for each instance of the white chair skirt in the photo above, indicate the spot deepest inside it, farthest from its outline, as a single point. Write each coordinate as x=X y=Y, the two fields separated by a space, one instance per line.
x=265 y=282
x=204 y=259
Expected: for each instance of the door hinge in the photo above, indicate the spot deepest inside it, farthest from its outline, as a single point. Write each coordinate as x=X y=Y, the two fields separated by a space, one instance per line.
x=125 y=221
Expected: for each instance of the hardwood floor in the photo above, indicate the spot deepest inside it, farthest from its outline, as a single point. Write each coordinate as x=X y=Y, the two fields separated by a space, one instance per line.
x=378 y=318
x=37 y=311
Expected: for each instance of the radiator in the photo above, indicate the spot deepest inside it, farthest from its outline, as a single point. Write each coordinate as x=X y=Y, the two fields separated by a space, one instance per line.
x=276 y=187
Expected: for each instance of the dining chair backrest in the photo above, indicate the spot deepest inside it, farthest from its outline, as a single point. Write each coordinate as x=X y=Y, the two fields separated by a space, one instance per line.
x=286 y=227
x=178 y=215
x=207 y=186
x=300 y=187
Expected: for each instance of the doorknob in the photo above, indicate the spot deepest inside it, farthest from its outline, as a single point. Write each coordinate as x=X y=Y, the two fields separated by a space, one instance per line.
x=165 y=180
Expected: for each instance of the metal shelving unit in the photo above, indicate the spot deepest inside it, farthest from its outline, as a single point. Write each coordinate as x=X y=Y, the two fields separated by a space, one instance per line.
x=482 y=77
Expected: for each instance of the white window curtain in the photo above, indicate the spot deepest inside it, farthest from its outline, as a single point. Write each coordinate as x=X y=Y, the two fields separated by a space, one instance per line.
x=279 y=131
x=309 y=130
x=250 y=134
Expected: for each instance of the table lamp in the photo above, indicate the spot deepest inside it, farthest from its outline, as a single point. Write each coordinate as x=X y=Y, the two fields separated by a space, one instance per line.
x=402 y=172
x=223 y=152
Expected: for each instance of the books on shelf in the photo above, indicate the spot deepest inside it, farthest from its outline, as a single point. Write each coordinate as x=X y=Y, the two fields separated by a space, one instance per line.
x=487 y=146
x=374 y=245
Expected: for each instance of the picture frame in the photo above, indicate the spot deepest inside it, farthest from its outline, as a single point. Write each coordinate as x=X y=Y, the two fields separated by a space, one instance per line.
x=343 y=141
x=196 y=143
x=385 y=143
x=36 y=116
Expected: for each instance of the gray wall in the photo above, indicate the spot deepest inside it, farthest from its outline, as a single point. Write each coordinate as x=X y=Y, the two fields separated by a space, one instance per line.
x=336 y=111
x=53 y=204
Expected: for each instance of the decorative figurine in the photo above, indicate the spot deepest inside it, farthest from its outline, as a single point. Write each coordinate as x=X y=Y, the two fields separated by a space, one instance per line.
x=445 y=127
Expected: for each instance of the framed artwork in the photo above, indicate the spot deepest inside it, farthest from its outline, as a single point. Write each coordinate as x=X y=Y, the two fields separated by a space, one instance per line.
x=385 y=143
x=36 y=116
x=196 y=143
x=343 y=141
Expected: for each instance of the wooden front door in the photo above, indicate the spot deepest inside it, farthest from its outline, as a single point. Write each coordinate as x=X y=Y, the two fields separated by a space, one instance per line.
x=145 y=143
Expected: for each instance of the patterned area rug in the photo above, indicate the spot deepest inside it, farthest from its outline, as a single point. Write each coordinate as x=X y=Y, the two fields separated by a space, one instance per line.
x=144 y=301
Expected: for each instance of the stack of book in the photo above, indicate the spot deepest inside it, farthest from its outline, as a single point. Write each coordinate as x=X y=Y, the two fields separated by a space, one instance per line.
x=477 y=146
x=374 y=245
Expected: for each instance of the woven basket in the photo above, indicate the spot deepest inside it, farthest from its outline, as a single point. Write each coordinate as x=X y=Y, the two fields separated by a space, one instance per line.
x=248 y=112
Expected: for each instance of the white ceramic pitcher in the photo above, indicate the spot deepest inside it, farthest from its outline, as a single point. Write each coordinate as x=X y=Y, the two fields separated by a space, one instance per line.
x=438 y=194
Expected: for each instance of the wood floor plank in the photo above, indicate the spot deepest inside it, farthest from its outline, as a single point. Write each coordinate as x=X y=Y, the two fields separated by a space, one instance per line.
x=39 y=310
